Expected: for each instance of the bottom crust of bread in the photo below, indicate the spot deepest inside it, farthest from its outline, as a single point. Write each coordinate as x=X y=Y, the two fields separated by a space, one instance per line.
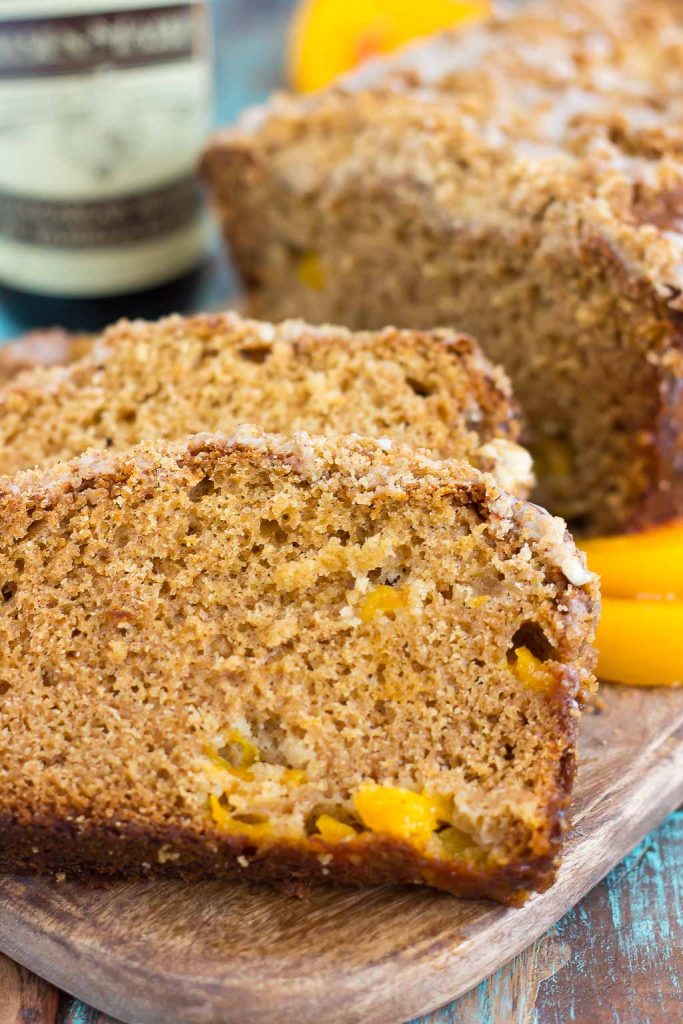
x=87 y=850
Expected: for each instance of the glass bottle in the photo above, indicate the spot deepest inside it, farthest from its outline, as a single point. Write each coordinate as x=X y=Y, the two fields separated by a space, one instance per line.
x=104 y=108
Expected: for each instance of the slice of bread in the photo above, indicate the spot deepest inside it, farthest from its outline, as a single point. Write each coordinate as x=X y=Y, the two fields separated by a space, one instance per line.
x=144 y=381
x=333 y=658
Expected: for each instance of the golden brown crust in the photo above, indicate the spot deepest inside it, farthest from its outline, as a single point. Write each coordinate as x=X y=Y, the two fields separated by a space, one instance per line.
x=660 y=495
x=88 y=849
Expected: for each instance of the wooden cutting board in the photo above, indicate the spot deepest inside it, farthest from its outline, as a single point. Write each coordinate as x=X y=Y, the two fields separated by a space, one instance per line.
x=217 y=953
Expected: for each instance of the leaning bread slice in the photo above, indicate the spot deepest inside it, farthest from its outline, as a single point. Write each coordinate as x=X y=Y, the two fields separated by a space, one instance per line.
x=280 y=658
x=145 y=381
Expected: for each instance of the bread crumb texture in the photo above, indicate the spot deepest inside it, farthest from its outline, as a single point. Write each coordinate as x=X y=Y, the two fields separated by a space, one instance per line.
x=287 y=658
x=142 y=381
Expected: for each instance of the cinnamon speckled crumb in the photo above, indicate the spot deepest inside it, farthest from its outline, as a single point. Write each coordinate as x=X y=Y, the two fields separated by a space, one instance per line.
x=166 y=602
x=142 y=381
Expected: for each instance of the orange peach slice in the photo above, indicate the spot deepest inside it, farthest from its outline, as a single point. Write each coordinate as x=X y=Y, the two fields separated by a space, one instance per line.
x=648 y=563
x=329 y=37
x=640 y=642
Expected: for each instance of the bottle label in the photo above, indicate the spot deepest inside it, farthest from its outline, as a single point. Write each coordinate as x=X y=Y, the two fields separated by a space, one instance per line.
x=104 y=108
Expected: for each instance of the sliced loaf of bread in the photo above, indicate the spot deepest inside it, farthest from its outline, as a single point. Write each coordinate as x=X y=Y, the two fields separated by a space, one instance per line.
x=521 y=179
x=287 y=658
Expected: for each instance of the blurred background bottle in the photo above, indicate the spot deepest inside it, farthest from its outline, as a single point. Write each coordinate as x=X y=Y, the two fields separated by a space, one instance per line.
x=104 y=108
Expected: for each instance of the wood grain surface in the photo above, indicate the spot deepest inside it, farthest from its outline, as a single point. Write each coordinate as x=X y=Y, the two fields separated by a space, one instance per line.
x=24 y=998
x=614 y=958
x=215 y=953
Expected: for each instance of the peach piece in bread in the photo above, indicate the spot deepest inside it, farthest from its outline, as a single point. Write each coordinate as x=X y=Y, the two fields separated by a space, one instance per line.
x=400 y=812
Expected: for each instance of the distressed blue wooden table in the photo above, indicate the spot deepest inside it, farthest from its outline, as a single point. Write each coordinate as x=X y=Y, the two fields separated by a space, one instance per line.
x=616 y=958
